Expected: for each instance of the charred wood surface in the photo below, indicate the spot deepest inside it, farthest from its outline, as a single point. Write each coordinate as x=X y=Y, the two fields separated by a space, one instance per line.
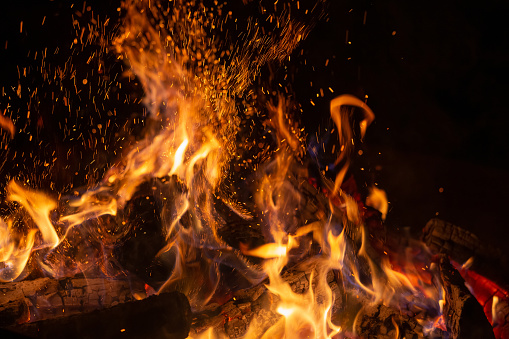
x=234 y=317
x=463 y=314
x=48 y=298
x=382 y=322
x=145 y=237
x=461 y=245
x=167 y=315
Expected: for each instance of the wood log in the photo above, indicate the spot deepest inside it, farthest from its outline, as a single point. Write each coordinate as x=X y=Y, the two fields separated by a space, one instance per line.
x=45 y=298
x=461 y=245
x=382 y=322
x=167 y=315
x=463 y=315
x=234 y=317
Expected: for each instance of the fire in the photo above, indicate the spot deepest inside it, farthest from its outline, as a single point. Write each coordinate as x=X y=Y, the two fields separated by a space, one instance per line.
x=14 y=256
x=187 y=150
x=7 y=124
x=38 y=206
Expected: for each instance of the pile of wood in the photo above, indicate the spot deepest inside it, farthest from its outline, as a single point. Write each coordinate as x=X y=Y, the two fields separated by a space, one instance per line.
x=106 y=308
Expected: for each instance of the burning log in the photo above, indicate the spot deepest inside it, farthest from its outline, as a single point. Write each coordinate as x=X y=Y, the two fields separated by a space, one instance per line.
x=463 y=314
x=256 y=309
x=494 y=300
x=45 y=298
x=167 y=315
x=461 y=245
x=487 y=275
x=234 y=317
x=380 y=321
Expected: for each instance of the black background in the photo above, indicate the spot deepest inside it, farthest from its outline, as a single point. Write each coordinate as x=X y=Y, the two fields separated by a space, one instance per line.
x=435 y=73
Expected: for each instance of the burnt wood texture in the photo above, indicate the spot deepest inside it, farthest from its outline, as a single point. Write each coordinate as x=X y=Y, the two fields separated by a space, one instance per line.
x=461 y=245
x=463 y=314
x=167 y=315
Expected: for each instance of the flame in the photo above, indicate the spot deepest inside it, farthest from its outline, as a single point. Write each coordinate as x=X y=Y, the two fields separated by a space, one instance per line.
x=39 y=206
x=7 y=124
x=14 y=254
x=378 y=200
x=494 y=309
x=341 y=119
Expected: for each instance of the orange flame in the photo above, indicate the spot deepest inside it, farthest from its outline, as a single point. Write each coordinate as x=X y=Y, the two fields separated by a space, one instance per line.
x=14 y=254
x=7 y=124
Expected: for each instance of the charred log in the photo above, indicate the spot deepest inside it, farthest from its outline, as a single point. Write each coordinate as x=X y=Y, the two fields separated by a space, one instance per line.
x=167 y=315
x=48 y=298
x=461 y=245
x=234 y=317
x=463 y=315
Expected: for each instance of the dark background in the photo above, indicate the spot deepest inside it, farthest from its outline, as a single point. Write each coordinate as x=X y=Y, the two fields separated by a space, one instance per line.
x=435 y=74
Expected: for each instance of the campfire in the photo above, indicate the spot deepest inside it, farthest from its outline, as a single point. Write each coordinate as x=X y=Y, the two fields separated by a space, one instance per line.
x=215 y=212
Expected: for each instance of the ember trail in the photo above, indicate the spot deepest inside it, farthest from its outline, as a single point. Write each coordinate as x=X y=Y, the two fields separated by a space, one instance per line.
x=222 y=212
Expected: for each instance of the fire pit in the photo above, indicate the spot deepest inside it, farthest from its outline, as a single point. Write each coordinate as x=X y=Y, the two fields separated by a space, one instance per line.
x=212 y=210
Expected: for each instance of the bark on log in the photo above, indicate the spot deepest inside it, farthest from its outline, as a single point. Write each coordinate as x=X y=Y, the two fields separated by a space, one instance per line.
x=463 y=315
x=45 y=298
x=167 y=315
x=461 y=245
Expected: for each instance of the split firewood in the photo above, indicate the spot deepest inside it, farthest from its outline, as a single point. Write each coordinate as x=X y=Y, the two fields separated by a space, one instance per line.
x=463 y=315
x=235 y=317
x=45 y=298
x=461 y=245
x=167 y=315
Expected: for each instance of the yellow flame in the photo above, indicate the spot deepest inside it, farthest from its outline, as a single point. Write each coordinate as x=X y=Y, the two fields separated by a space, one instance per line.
x=179 y=156
x=268 y=251
x=378 y=200
x=14 y=255
x=494 y=310
x=39 y=206
x=396 y=327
